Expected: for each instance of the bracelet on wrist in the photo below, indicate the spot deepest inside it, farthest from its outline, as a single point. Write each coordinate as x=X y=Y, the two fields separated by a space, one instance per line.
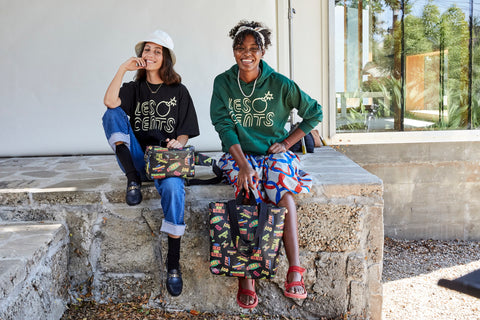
x=287 y=144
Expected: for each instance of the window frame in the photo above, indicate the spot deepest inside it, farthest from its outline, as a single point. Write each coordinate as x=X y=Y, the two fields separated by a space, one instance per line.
x=329 y=123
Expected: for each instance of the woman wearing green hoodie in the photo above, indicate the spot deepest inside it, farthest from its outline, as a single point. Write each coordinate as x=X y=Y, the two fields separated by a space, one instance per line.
x=250 y=107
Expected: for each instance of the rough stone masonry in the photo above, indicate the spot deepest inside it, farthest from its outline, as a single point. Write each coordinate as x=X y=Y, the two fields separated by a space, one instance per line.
x=115 y=252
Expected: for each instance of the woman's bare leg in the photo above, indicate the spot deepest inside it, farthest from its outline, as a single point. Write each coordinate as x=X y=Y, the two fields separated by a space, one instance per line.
x=290 y=239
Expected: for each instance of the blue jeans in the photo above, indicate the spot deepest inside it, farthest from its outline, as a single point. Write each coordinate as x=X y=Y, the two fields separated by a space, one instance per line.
x=171 y=190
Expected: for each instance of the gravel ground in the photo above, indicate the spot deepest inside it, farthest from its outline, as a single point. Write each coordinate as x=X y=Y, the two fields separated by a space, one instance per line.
x=411 y=271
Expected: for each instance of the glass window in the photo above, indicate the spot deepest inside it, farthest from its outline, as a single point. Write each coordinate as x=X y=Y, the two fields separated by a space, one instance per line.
x=403 y=65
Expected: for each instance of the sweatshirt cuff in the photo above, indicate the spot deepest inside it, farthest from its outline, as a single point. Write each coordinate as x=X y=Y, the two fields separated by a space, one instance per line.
x=306 y=127
x=229 y=139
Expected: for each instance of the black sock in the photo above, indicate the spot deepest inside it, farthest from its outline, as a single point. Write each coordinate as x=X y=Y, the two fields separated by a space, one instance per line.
x=125 y=158
x=173 y=256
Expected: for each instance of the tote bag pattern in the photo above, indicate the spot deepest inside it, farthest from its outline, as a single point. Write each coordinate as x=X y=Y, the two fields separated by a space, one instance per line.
x=245 y=239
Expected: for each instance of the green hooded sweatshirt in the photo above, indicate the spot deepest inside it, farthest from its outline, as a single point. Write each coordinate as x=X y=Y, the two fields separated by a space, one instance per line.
x=259 y=121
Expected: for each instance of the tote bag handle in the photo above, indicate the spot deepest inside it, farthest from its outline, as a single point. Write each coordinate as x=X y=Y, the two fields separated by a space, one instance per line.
x=245 y=247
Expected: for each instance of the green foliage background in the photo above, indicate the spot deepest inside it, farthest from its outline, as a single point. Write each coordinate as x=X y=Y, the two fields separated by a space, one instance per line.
x=432 y=31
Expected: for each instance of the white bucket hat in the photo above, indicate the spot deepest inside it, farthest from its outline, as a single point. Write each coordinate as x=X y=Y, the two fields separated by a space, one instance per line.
x=161 y=38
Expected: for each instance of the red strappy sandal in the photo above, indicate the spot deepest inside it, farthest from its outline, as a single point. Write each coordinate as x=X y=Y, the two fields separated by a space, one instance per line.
x=246 y=292
x=295 y=284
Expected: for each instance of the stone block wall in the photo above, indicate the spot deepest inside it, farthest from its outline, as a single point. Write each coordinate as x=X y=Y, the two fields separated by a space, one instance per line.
x=33 y=271
x=115 y=251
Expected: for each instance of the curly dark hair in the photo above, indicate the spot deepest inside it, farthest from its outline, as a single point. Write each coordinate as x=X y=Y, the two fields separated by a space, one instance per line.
x=167 y=73
x=238 y=39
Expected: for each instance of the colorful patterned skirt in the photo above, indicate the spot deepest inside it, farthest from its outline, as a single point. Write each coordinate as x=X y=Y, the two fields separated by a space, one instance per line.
x=279 y=173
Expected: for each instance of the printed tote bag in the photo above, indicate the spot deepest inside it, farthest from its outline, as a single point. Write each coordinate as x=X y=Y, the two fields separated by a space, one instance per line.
x=245 y=238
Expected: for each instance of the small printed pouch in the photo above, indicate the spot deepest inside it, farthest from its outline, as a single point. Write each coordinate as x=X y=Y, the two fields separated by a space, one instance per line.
x=162 y=162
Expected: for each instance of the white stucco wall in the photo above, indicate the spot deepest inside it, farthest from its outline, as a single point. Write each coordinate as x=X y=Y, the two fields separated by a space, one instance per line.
x=57 y=58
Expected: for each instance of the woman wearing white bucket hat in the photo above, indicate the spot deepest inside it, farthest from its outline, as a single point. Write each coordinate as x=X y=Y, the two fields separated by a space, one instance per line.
x=154 y=109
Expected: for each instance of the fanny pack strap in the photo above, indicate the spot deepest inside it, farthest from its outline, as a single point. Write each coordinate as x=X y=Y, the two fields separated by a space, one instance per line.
x=204 y=160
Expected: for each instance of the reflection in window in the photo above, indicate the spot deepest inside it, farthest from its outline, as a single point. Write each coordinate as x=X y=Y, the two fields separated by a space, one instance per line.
x=407 y=65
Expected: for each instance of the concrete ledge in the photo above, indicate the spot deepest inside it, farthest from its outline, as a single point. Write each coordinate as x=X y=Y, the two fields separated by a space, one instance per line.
x=115 y=253
x=33 y=271
x=432 y=190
